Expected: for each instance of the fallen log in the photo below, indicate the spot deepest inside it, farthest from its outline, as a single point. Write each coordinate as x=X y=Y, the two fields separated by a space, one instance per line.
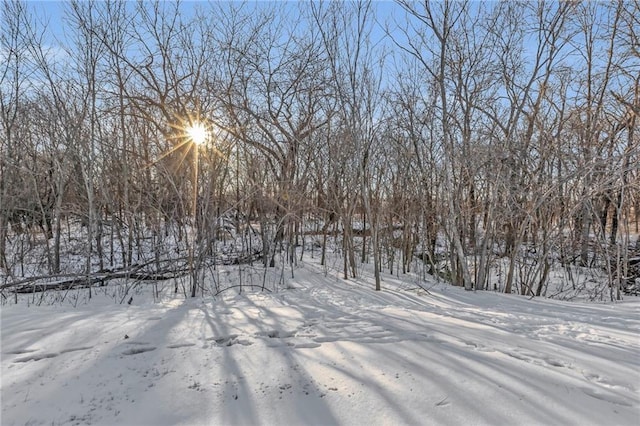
x=98 y=279
x=68 y=281
x=139 y=272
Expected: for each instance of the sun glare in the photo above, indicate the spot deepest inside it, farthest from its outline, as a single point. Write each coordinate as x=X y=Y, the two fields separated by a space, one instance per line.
x=197 y=133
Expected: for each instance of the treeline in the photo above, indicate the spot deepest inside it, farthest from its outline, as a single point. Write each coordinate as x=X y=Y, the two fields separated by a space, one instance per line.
x=454 y=132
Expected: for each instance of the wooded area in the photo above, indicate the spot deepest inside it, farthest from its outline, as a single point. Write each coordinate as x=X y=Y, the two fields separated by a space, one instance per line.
x=459 y=135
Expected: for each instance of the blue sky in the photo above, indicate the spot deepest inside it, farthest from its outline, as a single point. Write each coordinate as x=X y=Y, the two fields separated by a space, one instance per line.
x=52 y=11
x=385 y=11
x=53 y=14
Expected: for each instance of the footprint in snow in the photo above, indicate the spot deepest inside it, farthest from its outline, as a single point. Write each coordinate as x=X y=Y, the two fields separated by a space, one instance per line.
x=135 y=351
x=276 y=334
x=180 y=345
x=38 y=357
x=222 y=339
x=306 y=345
x=613 y=399
x=478 y=347
x=608 y=383
x=230 y=340
x=242 y=342
x=308 y=335
x=537 y=359
x=20 y=351
x=80 y=348
x=554 y=362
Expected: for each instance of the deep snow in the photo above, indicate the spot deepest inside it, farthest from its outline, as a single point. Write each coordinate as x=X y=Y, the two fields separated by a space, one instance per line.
x=327 y=351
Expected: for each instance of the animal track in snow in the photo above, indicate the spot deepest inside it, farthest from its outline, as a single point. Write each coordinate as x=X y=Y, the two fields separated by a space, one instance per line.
x=275 y=337
x=37 y=357
x=608 y=383
x=537 y=359
x=80 y=348
x=40 y=356
x=230 y=340
x=180 y=345
x=478 y=347
x=276 y=334
x=139 y=350
x=310 y=345
x=20 y=351
x=242 y=342
x=606 y=398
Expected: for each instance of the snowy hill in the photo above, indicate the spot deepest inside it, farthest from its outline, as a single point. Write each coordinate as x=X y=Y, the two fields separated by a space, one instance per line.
x=326 y=351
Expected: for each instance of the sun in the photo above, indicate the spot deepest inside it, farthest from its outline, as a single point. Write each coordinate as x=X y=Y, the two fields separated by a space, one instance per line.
x=197 y=133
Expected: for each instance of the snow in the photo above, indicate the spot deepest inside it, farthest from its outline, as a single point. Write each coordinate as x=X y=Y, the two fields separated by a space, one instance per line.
x=324 y=351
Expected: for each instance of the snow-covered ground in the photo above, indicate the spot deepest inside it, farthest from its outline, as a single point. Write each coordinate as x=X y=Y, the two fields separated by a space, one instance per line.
x=327 y=351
